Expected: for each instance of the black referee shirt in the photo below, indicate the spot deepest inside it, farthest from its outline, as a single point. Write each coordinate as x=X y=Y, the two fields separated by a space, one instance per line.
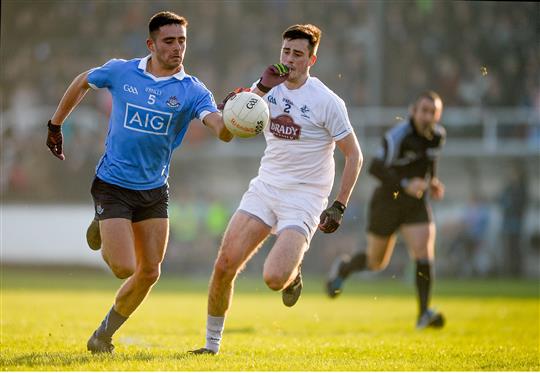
x=406 y=154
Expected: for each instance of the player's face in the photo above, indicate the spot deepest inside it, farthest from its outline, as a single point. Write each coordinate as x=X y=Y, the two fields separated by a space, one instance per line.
x=168 y=46
x=295 y=54
x=426 y=114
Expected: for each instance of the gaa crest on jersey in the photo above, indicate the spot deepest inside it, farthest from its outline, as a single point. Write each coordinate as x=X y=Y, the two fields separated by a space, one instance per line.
x=284 y=127
x=172 y=102
x=272 y=100
x=130 y=89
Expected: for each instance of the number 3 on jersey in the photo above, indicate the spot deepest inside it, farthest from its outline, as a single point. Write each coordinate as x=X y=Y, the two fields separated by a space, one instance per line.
x=152 y=99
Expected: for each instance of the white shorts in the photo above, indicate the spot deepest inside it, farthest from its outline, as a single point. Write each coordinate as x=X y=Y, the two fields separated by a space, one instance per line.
x=281 y=208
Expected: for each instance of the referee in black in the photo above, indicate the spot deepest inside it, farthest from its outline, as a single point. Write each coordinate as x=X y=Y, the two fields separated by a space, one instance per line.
x=406 y=167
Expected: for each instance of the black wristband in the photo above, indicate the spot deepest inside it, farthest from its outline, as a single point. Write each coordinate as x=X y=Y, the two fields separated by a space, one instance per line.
x=262 y=87
x=54 y=127
x=340 y=206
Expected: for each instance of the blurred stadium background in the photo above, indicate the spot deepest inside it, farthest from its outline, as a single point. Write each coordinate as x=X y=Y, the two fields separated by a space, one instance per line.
x=482 y=57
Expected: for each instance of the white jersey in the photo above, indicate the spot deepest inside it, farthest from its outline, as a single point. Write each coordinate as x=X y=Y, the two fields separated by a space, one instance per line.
x=304 y=125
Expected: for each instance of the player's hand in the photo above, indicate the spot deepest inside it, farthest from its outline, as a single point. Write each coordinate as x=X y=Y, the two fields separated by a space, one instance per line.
x=331 y=217
x=436 y=189
x=273 y=75
x=234 y=92
x=416 y=187
x=55 y=140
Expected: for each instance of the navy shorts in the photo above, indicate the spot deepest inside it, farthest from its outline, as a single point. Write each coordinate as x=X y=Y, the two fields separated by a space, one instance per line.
x=387 y=214
x=113 y=201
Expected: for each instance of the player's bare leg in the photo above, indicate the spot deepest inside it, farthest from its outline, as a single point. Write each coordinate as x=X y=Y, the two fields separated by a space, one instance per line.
x=242 y=239
x=151 y=238
x=420 y=240
x=118 y=246
x=119 y=254
x=375 y=258
x=135 y=251
x=281 y=268
x=379 y=251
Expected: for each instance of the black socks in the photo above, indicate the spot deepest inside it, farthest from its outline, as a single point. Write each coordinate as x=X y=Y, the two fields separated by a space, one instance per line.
x=423 y=283
x=355 y=264
x=110 y=324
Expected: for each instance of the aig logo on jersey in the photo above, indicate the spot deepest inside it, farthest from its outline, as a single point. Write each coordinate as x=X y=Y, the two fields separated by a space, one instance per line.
x=146 y=120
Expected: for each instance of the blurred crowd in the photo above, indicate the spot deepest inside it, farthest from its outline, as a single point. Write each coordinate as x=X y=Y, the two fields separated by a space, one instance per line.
x=475 y=54
x=449 y=46
x=470 y=52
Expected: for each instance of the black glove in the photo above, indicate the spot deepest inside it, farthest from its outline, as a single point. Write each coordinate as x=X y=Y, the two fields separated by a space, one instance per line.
x=331 y=217
x=221 y=106
x=55 y=140
x=272 y=76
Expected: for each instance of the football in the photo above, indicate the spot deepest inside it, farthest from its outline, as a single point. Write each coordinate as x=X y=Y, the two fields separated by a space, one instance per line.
x=246 y=114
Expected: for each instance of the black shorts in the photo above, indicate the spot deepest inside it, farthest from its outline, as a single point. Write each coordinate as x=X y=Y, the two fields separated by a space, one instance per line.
x=387 y=214
x=113 y=201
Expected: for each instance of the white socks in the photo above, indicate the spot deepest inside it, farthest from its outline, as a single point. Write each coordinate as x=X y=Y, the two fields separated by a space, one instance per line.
x=214 y=330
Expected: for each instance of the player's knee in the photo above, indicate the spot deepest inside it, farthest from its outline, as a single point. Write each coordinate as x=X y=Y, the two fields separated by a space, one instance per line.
x=274 y=280
x=149 y=275
x=122 y=271
x=225 y=267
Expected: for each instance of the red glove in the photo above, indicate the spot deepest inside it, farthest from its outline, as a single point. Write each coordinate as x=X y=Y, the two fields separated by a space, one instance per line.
x=221 y=106
x=273 y=75
x=55 y=140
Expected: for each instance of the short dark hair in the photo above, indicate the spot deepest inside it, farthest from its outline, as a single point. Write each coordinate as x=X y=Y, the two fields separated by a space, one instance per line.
x=165 y=18
x=308 y=31
x=430 y=95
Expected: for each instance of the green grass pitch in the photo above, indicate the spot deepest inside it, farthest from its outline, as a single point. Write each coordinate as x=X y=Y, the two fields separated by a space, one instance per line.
x=47 y=316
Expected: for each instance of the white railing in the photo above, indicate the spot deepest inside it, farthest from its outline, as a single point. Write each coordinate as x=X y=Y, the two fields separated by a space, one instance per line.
x=501 y=131
x=471 y=131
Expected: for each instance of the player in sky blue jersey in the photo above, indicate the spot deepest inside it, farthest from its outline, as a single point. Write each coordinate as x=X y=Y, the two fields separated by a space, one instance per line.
x=149 y=119
x=154 y=101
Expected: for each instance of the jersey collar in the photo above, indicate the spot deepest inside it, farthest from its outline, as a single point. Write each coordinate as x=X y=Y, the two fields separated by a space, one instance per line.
x=144 y=61
x=305 y=84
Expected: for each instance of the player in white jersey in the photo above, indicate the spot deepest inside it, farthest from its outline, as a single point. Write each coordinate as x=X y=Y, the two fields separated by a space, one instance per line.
x=290 y=194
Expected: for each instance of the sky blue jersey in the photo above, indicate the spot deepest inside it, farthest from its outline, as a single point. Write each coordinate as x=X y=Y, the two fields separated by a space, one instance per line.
x=150 y=116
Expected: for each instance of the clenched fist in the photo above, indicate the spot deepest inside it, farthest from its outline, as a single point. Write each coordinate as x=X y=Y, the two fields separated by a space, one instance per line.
x=55 y=140
x=273 y=75
x=331 y=217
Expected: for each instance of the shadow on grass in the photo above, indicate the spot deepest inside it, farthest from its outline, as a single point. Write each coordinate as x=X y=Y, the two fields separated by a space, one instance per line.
x=245 y=330
x=50 y=360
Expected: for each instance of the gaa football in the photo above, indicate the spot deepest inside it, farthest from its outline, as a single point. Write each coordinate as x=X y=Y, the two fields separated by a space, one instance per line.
x=246 y=114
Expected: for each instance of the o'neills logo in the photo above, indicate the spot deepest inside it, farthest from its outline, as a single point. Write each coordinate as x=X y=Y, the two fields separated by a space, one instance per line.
x=254 y=131
x=284 y=128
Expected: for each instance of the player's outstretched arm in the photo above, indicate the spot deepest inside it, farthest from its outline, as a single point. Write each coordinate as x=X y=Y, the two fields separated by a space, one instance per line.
x=73 y=95
x=330 y=219
x=214 y=121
